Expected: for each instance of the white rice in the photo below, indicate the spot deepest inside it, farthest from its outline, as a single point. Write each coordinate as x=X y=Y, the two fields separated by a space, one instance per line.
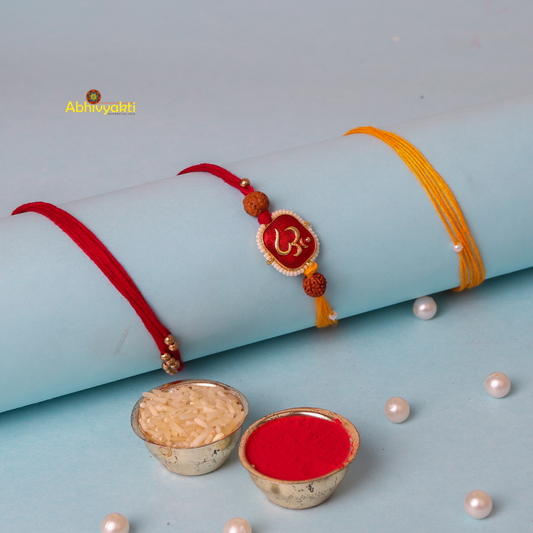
x=189 y=415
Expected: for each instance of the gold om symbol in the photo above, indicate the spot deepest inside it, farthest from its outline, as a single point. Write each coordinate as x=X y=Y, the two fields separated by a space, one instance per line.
x=299 y=247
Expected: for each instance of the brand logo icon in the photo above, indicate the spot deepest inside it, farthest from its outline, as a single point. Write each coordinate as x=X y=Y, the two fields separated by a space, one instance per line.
x=93 y=104
x=93 y=96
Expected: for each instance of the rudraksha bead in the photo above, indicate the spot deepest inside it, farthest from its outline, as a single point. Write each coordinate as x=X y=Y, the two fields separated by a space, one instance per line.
x=255 y=203
x=315 y=285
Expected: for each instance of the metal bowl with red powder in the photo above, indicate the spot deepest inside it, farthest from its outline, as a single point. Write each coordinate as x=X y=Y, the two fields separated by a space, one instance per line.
x=299 y=456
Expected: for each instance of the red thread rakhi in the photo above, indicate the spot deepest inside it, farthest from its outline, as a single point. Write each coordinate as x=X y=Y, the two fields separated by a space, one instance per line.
x=286 y=240
x=116 y=274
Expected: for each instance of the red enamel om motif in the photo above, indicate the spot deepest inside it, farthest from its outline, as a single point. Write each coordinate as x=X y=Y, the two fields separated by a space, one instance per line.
x=288 y=242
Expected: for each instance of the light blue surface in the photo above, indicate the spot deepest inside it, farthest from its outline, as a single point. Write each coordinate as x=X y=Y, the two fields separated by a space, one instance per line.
x=226 y=81
x=190 y=248
x=68 y=462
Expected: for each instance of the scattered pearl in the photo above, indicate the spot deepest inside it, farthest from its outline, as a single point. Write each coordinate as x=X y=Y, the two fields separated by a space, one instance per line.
x=396 y=409
x=457 y=248
x=237 y=525
x=425 y=307
x=478 y=504
x=498 y=385
x=333 y=316
x=115 y=523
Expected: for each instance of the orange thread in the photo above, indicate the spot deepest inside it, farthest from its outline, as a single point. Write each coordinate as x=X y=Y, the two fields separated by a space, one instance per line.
x=471 y=266
x=311 y=269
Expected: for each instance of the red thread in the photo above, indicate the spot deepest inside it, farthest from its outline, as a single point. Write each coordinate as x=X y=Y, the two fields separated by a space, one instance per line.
x=297 y=448
x=265 y=218
x=222 y=173
x=107 y=263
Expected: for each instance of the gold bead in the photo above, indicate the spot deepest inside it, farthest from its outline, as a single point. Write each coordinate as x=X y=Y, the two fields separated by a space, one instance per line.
x=245 y=183
x=165 y=357
x=173 y=347
x=170 y=370
x=171 y=363
x=169 y=340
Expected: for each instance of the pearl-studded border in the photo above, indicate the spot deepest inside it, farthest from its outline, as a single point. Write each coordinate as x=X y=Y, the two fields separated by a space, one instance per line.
x=271 y=260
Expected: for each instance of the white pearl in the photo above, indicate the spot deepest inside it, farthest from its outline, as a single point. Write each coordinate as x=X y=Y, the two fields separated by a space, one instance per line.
x=457 y=248
x=115 y=523
x=478 y=504
x=498 y=385
x=396 y=409
x=425 y=307
x=237 y=525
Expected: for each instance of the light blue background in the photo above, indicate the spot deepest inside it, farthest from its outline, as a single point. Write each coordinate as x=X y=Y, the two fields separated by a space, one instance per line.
x=191 y=251
x=68 y=462
x=222 y=82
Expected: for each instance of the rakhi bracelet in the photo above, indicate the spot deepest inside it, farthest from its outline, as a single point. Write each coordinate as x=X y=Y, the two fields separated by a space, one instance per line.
x=472 y=270
x=115 y=273
x=287 y=241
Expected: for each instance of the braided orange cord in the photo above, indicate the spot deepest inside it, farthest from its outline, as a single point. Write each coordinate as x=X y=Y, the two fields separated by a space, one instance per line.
x=471 y=266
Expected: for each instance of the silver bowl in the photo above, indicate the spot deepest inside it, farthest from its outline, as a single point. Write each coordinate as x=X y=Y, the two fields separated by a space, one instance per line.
x=300 y=494
x=201 y=459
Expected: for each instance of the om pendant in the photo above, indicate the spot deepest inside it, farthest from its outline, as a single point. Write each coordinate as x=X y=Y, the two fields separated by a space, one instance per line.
x=288 y=243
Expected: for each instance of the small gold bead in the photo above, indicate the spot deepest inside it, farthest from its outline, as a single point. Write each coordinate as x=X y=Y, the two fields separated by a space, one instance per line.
x=165 y=357
x=171 y=363
x=173 y=347
x=245 y=183
x=169 y=340
x=170 y=370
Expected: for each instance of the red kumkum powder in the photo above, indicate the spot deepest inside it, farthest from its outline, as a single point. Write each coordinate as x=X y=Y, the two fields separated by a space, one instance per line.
x=297 y=448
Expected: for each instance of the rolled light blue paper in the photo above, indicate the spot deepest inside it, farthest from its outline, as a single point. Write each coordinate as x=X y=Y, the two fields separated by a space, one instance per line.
x=190 y=247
